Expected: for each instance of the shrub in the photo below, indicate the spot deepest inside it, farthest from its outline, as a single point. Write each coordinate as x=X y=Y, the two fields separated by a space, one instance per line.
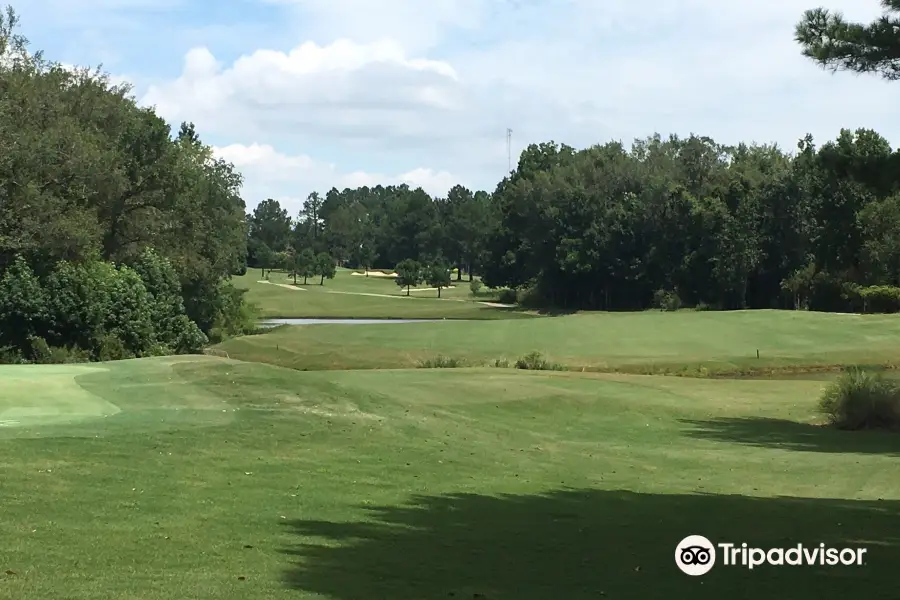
x=501 y=363
x=188 y=338
x=77 y=303
x=111 y=348
x=44 y=354
x=880 y=298
x=23 y=304
x=531 y=297
x=61 y=356
x=158 y=349
x=443 y=362
x=130 y=317
x=232 y=316
x=507 y=296
x=535 y=361
x=10 y=355
x=40 y=350
x=860 y=399
x=173 y=328
x=475 y=285
x=666 y=300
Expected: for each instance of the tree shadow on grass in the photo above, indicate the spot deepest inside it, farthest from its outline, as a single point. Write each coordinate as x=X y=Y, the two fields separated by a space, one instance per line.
x=589 y=544
x=792 y=435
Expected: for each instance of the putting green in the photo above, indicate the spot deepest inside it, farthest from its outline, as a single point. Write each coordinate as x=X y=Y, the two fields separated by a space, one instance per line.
x=33 y=395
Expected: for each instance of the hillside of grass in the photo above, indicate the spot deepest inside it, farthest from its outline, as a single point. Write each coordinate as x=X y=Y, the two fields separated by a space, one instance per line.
x=686 y=342
x=223 y=479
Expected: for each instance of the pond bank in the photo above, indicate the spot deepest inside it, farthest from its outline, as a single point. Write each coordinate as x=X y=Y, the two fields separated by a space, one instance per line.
x=315 y=321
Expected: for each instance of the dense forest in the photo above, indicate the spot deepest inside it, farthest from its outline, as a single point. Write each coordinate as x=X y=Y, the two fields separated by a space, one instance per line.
x=667 y=222
x=119 y=237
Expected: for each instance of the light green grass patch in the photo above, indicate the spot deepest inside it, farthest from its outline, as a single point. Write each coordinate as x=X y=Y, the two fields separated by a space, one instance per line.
x=34 y=395
x=121 y=397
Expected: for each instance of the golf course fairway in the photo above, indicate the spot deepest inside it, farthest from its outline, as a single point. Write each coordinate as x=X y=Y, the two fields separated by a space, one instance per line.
x=208 y=478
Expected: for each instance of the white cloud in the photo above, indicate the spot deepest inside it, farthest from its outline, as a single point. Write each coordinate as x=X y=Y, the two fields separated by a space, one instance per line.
x=342 y=89
x=289 y=179
x=424 y=89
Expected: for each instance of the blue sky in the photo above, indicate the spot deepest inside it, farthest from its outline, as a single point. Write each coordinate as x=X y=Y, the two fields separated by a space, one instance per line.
x=303 y=95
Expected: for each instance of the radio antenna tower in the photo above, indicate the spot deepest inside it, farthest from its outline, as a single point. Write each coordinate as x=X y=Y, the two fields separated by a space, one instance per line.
x=508 y=150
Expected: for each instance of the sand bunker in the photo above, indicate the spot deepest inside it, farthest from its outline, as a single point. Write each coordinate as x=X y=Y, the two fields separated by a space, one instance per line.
x=374 y=274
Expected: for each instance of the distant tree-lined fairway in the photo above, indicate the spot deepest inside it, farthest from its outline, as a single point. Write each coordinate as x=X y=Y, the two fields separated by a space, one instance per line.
x=649 y=342
x=331 y=462
x=353 y=296
x=218 y=479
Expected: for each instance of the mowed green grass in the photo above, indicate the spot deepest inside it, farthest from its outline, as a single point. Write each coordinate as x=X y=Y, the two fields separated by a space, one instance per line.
x=354 y=296
x=219 y=479
x=650 y=342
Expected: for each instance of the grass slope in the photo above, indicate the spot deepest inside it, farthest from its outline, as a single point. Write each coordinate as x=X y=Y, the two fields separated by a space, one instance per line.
x=650 y=342
x=222 y=479
x=352 y=296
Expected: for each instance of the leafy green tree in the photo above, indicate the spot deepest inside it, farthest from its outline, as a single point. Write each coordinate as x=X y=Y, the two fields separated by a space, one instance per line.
x=265 y=258
x=366 y=256
x=343 y=231
x=77 y=305
x=270 y=225
x=409 y=274
x=312 y=216
x=324 y=267
x=307 y=264
x=837 y=44
x=87 y=176
x=130 y=318
x=23 y=305
x=282 y=260
x=437 y=275
x=880 y=252
x=292 y=264
x=187 y=133
x=174 y=330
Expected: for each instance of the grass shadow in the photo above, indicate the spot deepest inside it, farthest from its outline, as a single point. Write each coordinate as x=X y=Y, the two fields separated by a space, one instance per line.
x=588 y=544
x=792 y=435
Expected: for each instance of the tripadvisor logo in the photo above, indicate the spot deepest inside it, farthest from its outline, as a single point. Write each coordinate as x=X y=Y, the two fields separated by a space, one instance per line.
x=696 y=555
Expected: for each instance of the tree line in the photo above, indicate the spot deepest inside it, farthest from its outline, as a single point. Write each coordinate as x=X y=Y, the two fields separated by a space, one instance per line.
x=373 y=228
x=667 y=222
x=117 y=238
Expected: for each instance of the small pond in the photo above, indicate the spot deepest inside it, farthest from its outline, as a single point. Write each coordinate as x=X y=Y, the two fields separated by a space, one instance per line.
x=277 y=322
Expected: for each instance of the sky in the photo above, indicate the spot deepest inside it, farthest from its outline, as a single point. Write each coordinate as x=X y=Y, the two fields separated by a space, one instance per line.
x=306 y=95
